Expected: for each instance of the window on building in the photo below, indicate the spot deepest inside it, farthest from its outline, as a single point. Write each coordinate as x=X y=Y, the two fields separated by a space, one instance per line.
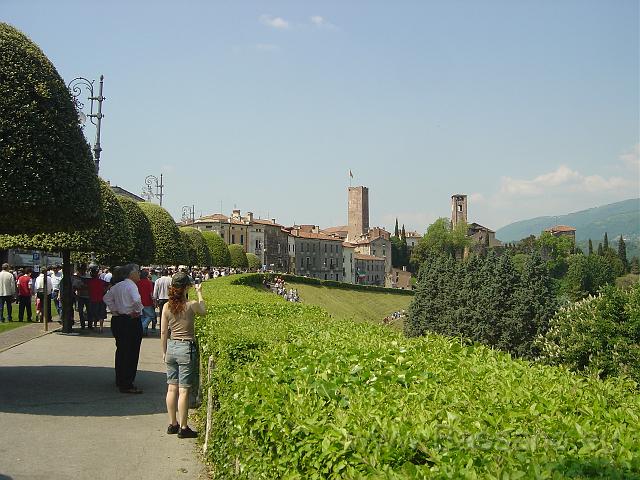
x=221 y=236
x=208 y=226
x=313 y=247
x=459 y=209
x=330 y=265
x=325 y=251
x=325 y=277
x=279 y=249
x=257 y=245
x=241 y=239
x=384 y=252
x=336 y=278
x=233 y=238
x=374 y=253
x=324 y=264
x=308 y=260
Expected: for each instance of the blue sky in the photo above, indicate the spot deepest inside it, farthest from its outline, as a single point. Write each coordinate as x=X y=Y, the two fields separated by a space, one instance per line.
x=529 y=107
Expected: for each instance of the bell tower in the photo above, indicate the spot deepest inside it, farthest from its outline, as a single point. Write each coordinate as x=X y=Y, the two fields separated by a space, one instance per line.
x=458 y=209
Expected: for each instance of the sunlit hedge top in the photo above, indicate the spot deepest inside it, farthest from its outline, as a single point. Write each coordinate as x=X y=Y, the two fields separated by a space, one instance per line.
x=219 y=251
x=48 y=181
x=202 y=256
x=110 y=238
x=169 y=244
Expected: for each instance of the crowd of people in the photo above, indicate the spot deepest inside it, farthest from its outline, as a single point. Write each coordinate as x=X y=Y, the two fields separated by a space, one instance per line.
x=278 y=286
x=394 y=316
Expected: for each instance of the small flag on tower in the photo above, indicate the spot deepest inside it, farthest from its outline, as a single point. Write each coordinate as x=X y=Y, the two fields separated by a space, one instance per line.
x=350 y=174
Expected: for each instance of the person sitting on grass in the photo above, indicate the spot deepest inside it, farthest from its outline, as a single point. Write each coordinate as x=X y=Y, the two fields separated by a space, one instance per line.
x=180 y=352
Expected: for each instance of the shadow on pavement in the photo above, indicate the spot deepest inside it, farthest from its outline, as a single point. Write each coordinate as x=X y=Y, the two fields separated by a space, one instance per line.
x=77 y=391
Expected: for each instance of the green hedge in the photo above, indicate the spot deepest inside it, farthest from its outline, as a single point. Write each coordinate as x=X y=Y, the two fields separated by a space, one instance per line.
x=143 y=245
x=258 y=278
x=301 y=395
x=238 y=257
x=170 y=249
x=199 y=254
x=219 y=250
x=41 y=146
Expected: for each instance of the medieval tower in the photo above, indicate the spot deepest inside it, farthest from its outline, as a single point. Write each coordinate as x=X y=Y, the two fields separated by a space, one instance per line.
x=458 y=209
x=358 y=212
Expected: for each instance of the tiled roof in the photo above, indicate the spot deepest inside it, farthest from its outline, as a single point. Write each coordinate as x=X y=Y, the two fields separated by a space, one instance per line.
x=477 y=226
x=348 y=245
x=216 y=217
x=315 y=236
x=362 y=256
x=341 y=228
x=266 y=222
x=413 y=235
x=560 y=228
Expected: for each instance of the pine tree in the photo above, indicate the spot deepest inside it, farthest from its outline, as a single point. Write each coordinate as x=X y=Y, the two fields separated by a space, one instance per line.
x=622 y=253
x=606 y=242
x=403 y=235
x=600 y=251
x=396 y=232
x=590 y=247
x=635 y=265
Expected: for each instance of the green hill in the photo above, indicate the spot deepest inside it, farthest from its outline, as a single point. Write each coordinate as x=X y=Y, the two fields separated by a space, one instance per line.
x=620 y=218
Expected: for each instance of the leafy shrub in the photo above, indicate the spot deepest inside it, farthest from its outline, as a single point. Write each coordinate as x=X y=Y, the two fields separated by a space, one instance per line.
x=41 y=145
x=238 y=257
x=253 y=261
x=143 y=244
x=198 y=248
x=599 y=335
x=301 y=395
x=219 y=250
x=169 y=244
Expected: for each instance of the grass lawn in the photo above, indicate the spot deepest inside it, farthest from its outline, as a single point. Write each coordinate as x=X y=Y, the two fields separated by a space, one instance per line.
x=353 y=304
x=6 y=326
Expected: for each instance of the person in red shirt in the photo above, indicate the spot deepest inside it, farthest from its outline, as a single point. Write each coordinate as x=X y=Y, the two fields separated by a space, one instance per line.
x=25 y=290
x=97 y=310
x=145 y=288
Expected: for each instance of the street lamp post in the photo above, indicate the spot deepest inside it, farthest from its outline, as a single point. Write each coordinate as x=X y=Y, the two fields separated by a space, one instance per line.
x=148 y=192
x=189 y=213
x=75 y=87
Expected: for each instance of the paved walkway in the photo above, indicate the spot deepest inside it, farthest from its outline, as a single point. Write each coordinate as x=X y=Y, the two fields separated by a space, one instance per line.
x=63 y=418
x=19 y=335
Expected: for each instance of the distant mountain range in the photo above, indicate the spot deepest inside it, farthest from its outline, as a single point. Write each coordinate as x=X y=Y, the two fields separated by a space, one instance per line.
x=620 y=218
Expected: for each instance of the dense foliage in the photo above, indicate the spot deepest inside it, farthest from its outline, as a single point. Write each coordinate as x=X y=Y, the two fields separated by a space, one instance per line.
x=170 y=249
x=600 y=335
x=237 y=256
x=139 y=229
x=41 y=145
x=441 y=238
x=587 y=274
x=198 y=248
x=218 y=249
x=110 y=238
x=190 y=248
x=485 y=300
x=301 y=395
x=253 y=261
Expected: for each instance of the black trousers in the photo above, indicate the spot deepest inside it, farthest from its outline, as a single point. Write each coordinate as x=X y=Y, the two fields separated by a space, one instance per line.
x=6 y=300
x=161 y=303
x=128 y=334
x=25 y=303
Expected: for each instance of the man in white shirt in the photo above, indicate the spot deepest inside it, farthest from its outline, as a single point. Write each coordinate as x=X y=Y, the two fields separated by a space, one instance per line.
x=125 y=304
x=161 y=291
x=56 y=281
x=40 y=284
x=7 y=291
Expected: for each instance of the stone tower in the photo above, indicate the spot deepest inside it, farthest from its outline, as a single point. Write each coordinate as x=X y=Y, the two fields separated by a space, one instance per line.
x=458 y=209
x=358 y=212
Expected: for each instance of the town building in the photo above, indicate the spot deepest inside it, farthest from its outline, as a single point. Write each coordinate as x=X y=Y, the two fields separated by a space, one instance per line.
x=562 y=231
x=358 y=212
x=400 y=278
x=370 y=270
x=412 y=239
x=317 y=255
x=348 y=262
x=483 y=235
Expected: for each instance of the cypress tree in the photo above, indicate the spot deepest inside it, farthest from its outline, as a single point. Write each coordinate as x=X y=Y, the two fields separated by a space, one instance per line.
x=606 y=242
x=403 y=235
x=396 y=232
x=622 y=253
x=600 y=251
x=635 y=265
x=590 y=247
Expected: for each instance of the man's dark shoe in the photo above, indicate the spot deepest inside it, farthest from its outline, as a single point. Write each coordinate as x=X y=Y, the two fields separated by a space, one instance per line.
x=187 y=433
x=173 y=429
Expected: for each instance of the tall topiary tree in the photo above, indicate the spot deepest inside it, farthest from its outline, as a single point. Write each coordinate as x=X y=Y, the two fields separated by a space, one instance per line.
x=254 y=261
x=110 y=239
x=41 y=146
x=238 y=257
x=169 y=244
x=190 y=248
x=201 y=249
x=143 y=245
x=219 y=250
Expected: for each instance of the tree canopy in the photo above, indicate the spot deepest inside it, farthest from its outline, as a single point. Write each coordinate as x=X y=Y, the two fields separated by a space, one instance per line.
x=143 y=244
x=110 y=238
x=238 y=257
x=253 y=261
x=199 y=250
x=219 y=250
x=170 y=249
x=41 y=145
x=441 y=238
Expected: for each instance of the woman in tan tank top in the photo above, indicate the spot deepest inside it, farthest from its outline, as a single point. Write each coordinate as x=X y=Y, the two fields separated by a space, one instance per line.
x=180 y=352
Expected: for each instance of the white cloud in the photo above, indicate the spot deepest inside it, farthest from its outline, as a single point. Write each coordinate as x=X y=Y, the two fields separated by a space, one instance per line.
x=632 y=157
x=321 y=22
x=477 y=198
x=274 y=22
x=563 y=178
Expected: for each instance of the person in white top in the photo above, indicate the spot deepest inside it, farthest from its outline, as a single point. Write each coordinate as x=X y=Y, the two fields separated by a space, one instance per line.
x=56 y=281
x=161 y=290
x=7 y=291
x=125 y=304
x=40 y=294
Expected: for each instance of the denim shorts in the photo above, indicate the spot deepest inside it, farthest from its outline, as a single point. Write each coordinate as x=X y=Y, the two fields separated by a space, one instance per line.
x=182 y=363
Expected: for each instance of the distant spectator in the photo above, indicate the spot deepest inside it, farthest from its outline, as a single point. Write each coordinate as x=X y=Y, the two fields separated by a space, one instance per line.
x=145 y=288
x=79 y=285
x=25 y=292
x=7 y=292
x=43 y=281
x=97 y=308
x=161 y=292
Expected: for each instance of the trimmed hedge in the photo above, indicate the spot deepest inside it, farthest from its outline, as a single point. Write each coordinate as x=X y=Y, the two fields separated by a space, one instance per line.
x=143 y=244
x=253 y=261
x=219 y=250
x=200 y=252
x=111 y=238
x=238 y=257
x=258 y=278
x=301 y=395
x=41 y=146
x=170 y=249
